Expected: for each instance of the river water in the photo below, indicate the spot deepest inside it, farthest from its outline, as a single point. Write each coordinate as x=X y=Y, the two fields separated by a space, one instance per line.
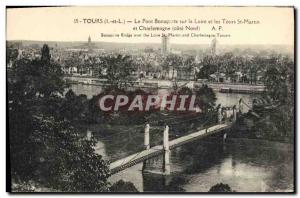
x=226 y=99
x=196 y=167
x=245 y=165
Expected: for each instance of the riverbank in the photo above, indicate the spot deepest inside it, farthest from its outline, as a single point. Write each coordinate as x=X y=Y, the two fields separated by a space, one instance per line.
x=269 y=124
x=288 y=146
x=168 y=84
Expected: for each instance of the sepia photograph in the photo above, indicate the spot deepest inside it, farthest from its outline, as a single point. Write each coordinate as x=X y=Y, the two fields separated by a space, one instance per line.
x=150 y=99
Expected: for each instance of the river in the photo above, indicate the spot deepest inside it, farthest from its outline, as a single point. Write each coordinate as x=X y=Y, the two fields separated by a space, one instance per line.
x=226 y=99
x=196 y=167
x=245 y=165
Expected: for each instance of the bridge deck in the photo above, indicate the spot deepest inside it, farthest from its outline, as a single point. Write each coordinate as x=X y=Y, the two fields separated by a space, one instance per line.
x=133 y=159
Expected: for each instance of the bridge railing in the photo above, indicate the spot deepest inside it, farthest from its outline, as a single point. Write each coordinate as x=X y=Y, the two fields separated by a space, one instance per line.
x=225 y=115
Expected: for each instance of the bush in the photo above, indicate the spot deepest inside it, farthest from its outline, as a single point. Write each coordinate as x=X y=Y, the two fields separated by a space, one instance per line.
x=122 y=186
x=220 y=188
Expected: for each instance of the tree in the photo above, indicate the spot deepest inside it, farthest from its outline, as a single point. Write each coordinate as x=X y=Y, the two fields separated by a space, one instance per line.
x=45 y=54
x=40 y=77
x=227 y=64
x=277 y=79
x=63 y=159
x=277 y=121
x=205 y=98
x=44 y=145
x=122 y=186
x=220 y=188
x=279 y=82
x=172 y=61
x=208 y=66
x=189 y=63
x=117 y=70
x=72 y=61
x=253 y=66
x=74 y=108
x=11 y=54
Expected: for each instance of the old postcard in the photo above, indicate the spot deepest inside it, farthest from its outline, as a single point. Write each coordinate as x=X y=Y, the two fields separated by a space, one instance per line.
x=151 y=99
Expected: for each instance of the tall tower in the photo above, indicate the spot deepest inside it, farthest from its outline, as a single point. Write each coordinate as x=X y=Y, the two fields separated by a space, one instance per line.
x=89 y=44
x=165 y=45
x=213 y=47
x=89 y=40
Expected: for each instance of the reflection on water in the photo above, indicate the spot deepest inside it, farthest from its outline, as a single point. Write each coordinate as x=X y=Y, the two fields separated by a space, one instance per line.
x=197 y=167
x=88 y=90
x=230 y=99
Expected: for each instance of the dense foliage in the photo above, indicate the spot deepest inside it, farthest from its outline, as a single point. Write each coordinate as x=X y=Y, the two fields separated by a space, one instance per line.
x=117 y=70
x=274 y=109
x=45 y=147
x=220 y=188
x=278 y=123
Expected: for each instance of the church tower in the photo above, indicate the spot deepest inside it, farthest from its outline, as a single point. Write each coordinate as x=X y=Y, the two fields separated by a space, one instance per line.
x=213 y=47
x=89 y=44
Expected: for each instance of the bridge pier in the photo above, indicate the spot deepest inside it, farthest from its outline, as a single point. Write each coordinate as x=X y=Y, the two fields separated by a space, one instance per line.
x=224 y=137
x=240 y=106
x=234 y=113
x=225 y=114
x=147 y=137
x=220 y=117
x=166 y=162
x=89 y=135
x=146 y=143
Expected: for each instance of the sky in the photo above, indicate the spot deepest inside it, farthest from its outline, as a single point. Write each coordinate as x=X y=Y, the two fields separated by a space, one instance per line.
x=276 y=24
